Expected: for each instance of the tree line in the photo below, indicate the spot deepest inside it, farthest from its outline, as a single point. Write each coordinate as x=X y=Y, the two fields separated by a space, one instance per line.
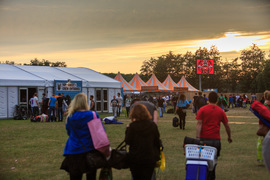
x=36 y=62
x=248 y=73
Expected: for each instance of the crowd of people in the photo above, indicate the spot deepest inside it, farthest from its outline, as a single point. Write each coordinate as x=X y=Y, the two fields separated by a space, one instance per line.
x=53 y=107
x=142 y=134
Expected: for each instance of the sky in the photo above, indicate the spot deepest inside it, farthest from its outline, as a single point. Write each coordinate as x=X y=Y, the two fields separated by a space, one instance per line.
x=118 y=35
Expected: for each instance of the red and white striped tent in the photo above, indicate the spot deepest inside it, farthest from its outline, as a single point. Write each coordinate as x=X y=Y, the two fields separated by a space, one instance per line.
x=137 y=82
x=125 y=85
x=154 y=82
x=183 y=83
x=169 y=83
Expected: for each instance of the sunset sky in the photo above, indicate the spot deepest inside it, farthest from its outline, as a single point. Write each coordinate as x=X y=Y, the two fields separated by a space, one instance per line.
x=118 y=35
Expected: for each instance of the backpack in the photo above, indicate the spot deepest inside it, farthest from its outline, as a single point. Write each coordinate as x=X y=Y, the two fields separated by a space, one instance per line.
x=175 y=122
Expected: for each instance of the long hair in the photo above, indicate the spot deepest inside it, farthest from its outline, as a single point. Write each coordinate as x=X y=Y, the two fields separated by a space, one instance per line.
x=140 y=113
x=182 y=97
x=267 y=95
x=78 y=103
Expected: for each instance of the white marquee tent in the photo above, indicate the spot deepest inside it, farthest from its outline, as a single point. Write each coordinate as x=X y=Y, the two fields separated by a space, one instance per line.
x=18 y=83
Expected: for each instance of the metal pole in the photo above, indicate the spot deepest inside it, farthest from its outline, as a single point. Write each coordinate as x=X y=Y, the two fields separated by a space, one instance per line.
x=200 y=82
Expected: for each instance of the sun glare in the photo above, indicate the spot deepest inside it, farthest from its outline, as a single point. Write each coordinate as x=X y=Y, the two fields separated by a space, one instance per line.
x=235 y=41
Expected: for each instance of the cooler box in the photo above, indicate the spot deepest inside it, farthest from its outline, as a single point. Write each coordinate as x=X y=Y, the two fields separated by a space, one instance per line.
x=196 y=170
x=203 y=153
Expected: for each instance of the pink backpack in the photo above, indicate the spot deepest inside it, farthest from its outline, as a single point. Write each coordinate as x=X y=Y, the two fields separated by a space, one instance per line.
x=99 y=136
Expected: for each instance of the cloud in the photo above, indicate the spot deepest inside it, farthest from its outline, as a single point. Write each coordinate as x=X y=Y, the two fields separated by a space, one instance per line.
x=122 y=31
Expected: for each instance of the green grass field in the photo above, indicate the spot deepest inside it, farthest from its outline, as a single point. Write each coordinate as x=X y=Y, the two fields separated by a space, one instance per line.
x=30 y=151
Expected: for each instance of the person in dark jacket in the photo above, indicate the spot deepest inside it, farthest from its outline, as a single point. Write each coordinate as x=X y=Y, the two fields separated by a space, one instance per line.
x=142 y=136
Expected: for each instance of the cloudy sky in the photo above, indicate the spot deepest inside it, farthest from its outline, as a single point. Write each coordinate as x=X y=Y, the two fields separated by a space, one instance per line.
x=118 y=35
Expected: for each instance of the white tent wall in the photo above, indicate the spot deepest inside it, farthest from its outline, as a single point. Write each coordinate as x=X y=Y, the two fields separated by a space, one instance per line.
x=40 y=90
x=112 y=92
x=16 y=77
x=84 y=90
x=3 y=104
x=49 y=92
x=9 y=99
x=12 y=100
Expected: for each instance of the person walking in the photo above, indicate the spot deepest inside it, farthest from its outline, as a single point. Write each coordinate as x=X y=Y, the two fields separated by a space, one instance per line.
x=92 y=103
x=79 y=142
x=194 y=105
x=160 y=103
x=200 y=101
x=60 y=102
x=44 y=104
x=114 y=105
x=142 y=136
x=244 y=101
x=51 y=105
x=119 y=105
x=253 y=97
x=127 y=104
x=231 y=101
x=34 y=105
x=181 y=107
x=209 y=118
x=150 y=107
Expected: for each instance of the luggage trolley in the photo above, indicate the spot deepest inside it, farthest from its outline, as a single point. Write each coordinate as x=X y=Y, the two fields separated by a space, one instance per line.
x=199 y=160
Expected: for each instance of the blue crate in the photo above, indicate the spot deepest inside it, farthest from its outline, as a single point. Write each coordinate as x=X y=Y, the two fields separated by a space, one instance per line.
x=196 y=170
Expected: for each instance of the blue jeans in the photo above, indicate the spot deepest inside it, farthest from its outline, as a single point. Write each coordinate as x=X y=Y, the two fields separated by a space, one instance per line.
x=51 y=109
x=60 y=114
x=160 y=109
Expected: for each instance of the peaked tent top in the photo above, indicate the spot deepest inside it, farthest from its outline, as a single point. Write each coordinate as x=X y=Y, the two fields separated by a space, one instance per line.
x=183 y=83
x=137 y=82
x=169 y=83
x=125 y=85
x=153 y=81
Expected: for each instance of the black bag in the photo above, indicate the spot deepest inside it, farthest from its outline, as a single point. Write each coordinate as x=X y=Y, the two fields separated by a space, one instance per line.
x=119 y=157
x=96 y=159
x=189 y=140
x=175 y=122
x=170 y=111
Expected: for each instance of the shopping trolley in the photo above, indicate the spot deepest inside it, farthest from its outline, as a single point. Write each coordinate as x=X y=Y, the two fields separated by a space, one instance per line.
x=199 y=160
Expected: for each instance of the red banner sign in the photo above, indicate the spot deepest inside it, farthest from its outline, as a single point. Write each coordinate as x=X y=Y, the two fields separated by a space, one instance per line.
x=205 y=66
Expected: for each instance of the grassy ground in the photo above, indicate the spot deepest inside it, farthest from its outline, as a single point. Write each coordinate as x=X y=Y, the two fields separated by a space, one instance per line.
x=34 y=150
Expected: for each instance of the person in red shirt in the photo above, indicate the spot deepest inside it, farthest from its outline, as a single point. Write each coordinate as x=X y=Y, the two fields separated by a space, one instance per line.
x=208 y=125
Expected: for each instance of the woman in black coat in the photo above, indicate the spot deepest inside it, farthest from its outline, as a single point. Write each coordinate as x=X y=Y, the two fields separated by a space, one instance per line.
x=142 y=136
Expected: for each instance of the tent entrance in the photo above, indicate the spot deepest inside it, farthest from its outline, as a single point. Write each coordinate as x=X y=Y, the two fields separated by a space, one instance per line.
x=102 y=100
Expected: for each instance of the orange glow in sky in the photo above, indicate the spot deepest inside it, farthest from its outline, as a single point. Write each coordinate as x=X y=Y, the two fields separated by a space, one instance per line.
x=129 y=58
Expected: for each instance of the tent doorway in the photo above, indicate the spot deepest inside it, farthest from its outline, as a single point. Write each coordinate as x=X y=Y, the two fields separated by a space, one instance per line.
x=102 y=100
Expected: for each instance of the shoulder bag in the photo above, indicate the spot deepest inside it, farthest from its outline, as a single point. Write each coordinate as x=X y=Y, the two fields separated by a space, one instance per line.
x=119 y=157
x=95 y=159
x=99 y=136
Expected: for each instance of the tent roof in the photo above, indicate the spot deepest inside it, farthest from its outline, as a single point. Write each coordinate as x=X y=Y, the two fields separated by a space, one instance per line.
x=125 y=85
x=93 y=78
x=169 y=83
x=153 y=81
x=11 y=75
x=137 y=82
x=183 y=83
x=20 y=75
